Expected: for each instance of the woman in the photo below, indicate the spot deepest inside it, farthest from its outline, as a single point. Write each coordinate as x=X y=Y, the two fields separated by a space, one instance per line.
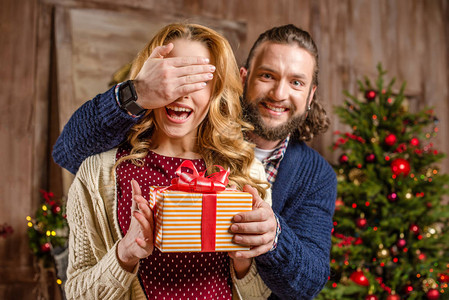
x=112 y=254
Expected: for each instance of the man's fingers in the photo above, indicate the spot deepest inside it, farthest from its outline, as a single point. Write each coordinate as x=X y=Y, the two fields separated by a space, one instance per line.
x=188 y=89
x=254 y=240
x=188 y=60
x=253 y=228
x=255 y=251
x=189 y=79
x=257 y=201
x=261 y=214
x=162 y=51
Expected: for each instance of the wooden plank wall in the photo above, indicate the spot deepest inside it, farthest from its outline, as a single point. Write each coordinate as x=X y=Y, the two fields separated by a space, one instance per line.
x=409 y=37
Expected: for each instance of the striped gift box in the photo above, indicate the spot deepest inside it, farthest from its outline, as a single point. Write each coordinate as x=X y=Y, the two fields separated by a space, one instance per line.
x=178 y=219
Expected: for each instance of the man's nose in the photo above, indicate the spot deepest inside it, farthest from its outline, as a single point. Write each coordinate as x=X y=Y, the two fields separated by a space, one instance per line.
x=279 y=91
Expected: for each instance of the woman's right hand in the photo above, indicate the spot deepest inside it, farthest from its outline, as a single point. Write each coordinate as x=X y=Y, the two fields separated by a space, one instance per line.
x=138 y=242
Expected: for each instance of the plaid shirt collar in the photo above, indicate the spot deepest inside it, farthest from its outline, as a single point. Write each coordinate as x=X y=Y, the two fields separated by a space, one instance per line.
x=272 y=162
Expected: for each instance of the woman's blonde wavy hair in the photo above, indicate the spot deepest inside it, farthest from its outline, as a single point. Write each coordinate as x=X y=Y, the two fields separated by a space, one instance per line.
x=221 y=134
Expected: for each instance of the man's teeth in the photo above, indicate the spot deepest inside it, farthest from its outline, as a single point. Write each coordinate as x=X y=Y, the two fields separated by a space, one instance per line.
x=277 y=109
x=178 y=108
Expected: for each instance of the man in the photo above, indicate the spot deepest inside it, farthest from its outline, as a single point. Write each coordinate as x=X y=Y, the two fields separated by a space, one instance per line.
x=291 y=241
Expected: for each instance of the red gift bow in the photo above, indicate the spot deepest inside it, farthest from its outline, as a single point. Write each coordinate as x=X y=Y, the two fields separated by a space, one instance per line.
x=197 y=182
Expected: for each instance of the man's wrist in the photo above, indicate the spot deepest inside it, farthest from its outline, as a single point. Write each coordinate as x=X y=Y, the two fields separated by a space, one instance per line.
x=130 y=104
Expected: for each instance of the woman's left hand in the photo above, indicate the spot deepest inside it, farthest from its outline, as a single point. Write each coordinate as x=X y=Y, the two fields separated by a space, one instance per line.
x=138 y=240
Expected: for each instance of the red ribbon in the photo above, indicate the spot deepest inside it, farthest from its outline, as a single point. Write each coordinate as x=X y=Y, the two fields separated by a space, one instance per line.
x=208 y=186
x=197 y=182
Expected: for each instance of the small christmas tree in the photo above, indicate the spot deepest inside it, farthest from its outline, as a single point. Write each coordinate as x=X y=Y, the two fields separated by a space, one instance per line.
x=48 y=234
x=48 y=230
x=390 y=237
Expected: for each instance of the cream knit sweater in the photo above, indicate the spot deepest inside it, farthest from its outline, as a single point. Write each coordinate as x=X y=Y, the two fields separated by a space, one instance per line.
x=94 y=271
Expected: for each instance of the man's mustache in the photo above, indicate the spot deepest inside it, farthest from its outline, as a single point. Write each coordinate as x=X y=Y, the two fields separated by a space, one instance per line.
x=285 y=104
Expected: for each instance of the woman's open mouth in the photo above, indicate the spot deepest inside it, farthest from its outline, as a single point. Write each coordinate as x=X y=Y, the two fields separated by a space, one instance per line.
x=177 y=112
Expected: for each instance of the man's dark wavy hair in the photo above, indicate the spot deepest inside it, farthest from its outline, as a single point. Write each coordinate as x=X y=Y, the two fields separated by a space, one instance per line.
x=317 y=121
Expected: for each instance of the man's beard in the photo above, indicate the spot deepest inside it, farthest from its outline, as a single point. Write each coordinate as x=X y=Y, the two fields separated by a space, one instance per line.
x=252 y=115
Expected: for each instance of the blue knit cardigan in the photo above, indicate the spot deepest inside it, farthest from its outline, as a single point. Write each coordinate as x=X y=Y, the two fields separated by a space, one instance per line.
x=304 y=196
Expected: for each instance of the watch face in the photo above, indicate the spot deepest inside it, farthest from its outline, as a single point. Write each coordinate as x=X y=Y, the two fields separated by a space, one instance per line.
x=126 y=94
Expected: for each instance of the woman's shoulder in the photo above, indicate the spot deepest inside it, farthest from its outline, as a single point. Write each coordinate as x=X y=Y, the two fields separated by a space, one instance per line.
x=99 y=164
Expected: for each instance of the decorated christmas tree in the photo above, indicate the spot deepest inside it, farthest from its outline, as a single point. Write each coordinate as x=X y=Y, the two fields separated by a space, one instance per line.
x=390 y=238
x=48 y=235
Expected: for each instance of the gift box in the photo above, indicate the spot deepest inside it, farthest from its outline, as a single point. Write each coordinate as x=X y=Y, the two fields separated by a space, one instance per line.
x=194 y=213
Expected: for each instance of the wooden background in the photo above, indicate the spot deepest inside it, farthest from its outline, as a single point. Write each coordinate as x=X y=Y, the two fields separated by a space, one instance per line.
x=56 y=54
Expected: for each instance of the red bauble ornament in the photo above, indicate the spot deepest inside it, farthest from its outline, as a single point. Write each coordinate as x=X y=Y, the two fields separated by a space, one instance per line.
x=408 y=289
x=370 y=95
x=443 y=277
x=400 y=166
x=393 y=297
x=392 y=197
x=414 y=142
x=45 y=247
x=433 y=294
x=391 y=139
x=361 y=222
x=359 y=278
x=56 y=209
x=339 y=203
x=414 y=228
x=401 y=243
x=371 y=297
x=343 y=159
x=370 y=158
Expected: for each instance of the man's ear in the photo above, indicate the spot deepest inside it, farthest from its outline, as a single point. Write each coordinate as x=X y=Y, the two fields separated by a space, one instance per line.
x=312 y=92
x=243 y=73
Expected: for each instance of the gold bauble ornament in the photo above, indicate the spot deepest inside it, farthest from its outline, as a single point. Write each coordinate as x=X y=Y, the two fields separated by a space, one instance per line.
x=432 y=231
x=383 y=253
x=357 y=176
x=40 y=227
x=429 y=283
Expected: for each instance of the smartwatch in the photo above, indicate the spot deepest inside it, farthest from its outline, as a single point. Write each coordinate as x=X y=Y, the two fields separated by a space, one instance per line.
x=127 y=97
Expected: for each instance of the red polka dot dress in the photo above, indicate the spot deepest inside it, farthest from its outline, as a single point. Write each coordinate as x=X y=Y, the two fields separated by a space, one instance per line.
x=180 y=275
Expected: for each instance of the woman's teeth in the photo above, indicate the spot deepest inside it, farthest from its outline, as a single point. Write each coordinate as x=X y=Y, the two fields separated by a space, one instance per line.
x=178 y=112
